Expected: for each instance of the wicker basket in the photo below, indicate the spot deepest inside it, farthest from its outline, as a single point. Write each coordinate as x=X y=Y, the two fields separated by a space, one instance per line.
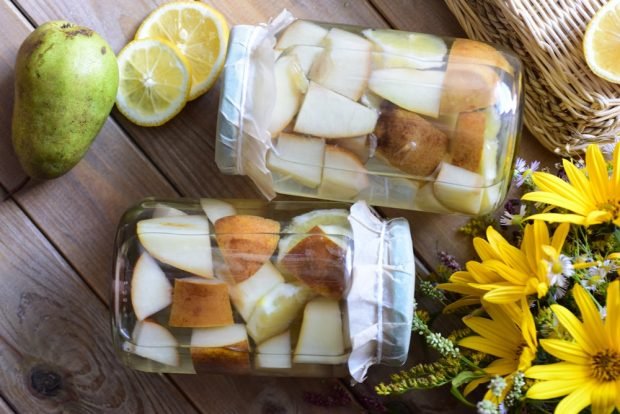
x=567 y=106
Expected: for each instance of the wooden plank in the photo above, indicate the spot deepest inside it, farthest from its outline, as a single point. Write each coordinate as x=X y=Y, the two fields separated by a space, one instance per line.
x=419 y=16
x=4 y=408
x=55 y=349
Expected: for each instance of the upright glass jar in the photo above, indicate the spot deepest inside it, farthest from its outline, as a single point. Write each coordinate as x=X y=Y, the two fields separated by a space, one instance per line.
x=250 y=287
x=399 y=119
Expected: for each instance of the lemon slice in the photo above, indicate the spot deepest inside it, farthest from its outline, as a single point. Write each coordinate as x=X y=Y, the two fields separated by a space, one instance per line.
x=412 y=50
x=198 y=31
x=154 y=82
x=601 y=42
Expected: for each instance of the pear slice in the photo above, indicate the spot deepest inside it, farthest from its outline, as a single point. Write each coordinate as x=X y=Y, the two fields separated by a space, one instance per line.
x=408 y=50
x=425 y=200
x=319 y=261
x=182 y=242
x=224 y=349
x=344 y=65
x=162 y=210
x=245 y=295
x=150 y=289
x=152 y=341
x=321 y=339
x=297 y=157
x=275 y=311
x=409 y=142
x=289 y=89
x=414 y=90
x=301 y=32
x=246 y=242
x=200 y=303
x=275 y=352
x=468 y=140
x=306 y=56
x=478 y=53
x=357 y=145
x=468 y=87
x=216 y=209
x=459 y=189
x=325 y=113
x=343 y=174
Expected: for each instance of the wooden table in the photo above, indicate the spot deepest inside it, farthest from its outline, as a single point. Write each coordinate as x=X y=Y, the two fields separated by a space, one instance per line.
x=56 y=237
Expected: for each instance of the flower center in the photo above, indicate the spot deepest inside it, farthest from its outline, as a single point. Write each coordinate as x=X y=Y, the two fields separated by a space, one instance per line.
x=606 y=366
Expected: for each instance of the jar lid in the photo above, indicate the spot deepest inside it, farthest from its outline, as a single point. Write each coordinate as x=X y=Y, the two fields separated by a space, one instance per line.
x=380 y=301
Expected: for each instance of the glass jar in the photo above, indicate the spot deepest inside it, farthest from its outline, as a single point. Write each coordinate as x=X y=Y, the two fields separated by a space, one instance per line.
x=252 y=287
x=398 y=119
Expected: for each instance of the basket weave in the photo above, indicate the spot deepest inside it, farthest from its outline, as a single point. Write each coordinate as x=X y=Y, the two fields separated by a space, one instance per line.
x=567 y=106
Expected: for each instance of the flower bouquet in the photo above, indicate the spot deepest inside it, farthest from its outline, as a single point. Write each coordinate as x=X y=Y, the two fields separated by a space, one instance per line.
x=541 y=306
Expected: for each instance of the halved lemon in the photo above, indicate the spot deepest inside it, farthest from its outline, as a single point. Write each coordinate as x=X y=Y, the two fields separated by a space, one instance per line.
x=154 y=81
x=601 y=42
x=198 y=31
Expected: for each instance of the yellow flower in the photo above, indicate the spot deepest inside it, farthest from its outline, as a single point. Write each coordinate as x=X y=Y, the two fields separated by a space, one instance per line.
x=510 y=335
x=593 y=197
x=589 y=373
x=507 y=273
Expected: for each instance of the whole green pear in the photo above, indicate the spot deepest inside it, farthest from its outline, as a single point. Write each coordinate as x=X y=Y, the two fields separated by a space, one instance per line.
x=66 y=77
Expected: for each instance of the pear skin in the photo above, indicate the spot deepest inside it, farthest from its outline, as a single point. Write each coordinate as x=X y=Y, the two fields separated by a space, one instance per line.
x=66 y=78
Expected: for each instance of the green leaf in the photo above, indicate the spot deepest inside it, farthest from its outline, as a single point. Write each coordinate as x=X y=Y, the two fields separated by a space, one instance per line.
x=461 y=379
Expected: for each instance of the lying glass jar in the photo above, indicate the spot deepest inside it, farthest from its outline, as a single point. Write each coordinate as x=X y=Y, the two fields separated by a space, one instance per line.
x=398 y=119
x=250 y=287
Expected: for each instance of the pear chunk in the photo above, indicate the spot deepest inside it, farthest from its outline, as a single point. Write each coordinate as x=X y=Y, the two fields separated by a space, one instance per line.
x=154 y=342
x=344 y=65
x=325 y=113
x=306 y=56
x=182 y=242
x=414 y=90
x=301 y=32
x=468 y=87
x=150 y=289
x=459 y=189
x=321 y=339
x=289 y=89
x=468 y=140
x=275 y=311
x=162 y=210
x=319 y=261
x=223 y=349
x=246 y=242
x=200 y=303
x=216 y=209
x=245 y=295
x=343 y=174
x=275 y=352
x=297 y=157
x=357 y=145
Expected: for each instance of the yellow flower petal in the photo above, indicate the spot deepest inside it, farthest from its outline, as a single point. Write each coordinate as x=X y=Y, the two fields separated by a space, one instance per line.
x=598 y=217
x=553 y=389
x=505 y=295
x=578 y=180
x=528 y=246
x=466 y=301
x=597 y=173
x=559 y=371
x=508 y=273
x=559 y=236
x=559 y=218
x=484 y=249
x=559 y=199
x=612 y=321
x=574 y=327
x=493 y=330
x=481 y=273
x=501 y=367
x=552 y=184
x=576 y=401
x=567 y=351
x=603 y=398
x=462 y=289
x=473 y=384
x=615 y=179
x=592 y=322
x=481 y=344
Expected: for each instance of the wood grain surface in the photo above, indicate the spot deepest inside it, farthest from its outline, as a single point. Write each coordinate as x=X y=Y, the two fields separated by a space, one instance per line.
x=56 y=237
